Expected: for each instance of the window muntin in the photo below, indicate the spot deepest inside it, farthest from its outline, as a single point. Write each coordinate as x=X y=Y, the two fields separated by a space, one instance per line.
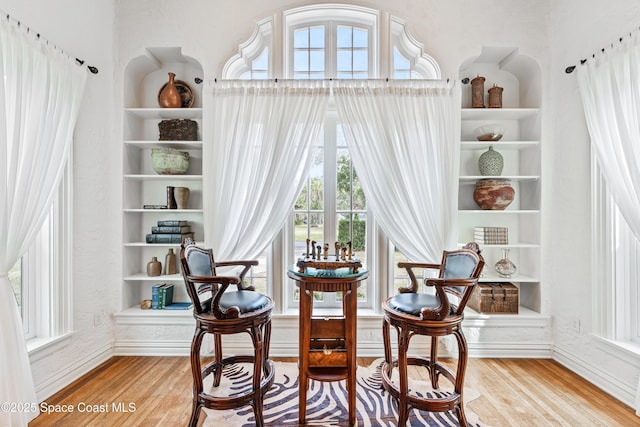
x=259 y=69
x=401 y=65
x=330 y=50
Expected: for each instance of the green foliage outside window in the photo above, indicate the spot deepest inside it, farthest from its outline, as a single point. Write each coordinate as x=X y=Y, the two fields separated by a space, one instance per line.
x=359 y=232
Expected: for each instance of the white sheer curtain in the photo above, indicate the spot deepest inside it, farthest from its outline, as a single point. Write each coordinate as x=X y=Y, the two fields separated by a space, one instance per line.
x=610 y=89
x=40 y=96
x=402 y=138
x=257 y=153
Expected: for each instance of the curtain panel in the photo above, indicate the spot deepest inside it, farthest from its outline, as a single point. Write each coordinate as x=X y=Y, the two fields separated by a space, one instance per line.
x=40 y=97
x=402 y=137
x=258 y=151
x=610 y=90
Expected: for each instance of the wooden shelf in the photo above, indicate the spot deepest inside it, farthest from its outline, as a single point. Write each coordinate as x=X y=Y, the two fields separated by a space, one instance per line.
x=482 y=145
x=178 y=145
x=498 y=113
x=471 y=179
x=165 y=113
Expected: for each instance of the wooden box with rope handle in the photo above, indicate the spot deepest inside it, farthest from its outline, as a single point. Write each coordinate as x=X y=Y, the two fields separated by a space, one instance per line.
x=495 y=298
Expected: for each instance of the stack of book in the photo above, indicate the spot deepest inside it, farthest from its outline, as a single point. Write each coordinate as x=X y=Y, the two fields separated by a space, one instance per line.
x=162 y=298
x=169 y=231
x=491 y=235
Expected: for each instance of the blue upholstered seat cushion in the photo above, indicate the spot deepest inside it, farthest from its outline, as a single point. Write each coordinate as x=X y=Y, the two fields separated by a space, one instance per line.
x=411 y=303
x=246 y=301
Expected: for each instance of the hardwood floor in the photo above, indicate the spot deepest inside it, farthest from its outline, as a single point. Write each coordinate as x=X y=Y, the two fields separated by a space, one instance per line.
x=154 y=391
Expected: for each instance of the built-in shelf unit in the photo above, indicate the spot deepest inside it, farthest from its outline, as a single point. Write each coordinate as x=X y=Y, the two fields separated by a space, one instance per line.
x=520 y=120
x=144 y=76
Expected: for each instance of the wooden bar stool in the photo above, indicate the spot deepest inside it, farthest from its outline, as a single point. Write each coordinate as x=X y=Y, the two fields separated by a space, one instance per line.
x=221 y=313
x=412 y=313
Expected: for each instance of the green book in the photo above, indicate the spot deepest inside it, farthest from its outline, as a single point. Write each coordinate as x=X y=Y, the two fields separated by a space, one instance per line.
x=165 y=296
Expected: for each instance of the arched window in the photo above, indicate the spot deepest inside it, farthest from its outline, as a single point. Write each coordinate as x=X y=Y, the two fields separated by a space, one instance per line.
x=331 y=42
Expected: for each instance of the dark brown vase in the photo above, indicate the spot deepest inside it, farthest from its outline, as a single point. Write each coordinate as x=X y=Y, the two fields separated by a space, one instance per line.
x=170 y=97
x=493 y=194
x=171 y=199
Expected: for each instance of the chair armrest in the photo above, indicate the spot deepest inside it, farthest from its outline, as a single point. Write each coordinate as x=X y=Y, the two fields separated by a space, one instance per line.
x=209 y=283
x=436 y=281
x=444 y=286
x=409 y=266
x=246 y=264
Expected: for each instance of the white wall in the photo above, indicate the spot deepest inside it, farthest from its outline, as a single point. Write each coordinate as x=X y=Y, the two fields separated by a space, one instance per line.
x=85 y=29
x=110 y=33
x=579 y=29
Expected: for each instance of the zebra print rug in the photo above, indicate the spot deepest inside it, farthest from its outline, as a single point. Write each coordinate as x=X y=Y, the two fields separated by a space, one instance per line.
x=326 y=404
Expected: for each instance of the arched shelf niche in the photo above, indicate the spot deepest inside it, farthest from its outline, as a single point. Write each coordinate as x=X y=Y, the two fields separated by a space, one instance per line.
x=518 y=74
x=145 y=75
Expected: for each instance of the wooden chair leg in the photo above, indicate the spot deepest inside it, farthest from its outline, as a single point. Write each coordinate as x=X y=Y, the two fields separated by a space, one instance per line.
x=386 y=339
x=433 y=361
x=256 y=336
x=196 y=373
x=267 y=344
x=217 y=348
x=403 y=404
x=460 y=374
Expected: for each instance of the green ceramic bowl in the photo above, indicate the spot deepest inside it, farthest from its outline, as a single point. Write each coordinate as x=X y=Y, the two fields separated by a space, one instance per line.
x=168 y=161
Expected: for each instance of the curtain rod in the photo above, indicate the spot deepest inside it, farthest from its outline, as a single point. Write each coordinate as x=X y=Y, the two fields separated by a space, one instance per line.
x=91 y=68
x=570 y=68
x=330 y=79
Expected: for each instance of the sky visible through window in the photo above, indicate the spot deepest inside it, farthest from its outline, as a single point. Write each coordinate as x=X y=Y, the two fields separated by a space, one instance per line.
x=310 y=53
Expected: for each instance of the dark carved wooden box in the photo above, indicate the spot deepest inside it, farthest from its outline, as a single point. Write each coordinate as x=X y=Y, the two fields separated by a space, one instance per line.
x=178 y=130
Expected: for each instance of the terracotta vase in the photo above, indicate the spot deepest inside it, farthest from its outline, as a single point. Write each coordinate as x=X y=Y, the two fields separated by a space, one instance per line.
x=170 y=263
x=170 y=97
x=154 y=267
x=495 y=97
x=181 y=195
x=477 y=92
x=493 y=194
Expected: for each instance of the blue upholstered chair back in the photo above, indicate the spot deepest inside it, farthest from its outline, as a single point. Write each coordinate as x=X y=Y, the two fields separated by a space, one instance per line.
x=459 y=266
x=200 y=264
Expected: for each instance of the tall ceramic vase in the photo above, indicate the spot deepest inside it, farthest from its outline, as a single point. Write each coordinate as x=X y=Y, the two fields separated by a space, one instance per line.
x=170 y=262
x=181 y=195
x=169 y=96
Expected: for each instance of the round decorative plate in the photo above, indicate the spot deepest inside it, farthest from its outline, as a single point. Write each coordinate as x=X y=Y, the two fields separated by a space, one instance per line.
x=186 y=93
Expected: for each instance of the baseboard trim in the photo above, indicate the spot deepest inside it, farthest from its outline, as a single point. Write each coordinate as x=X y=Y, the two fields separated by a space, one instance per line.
x=63 y=377
x=151 y=348
x=596 y=376
x=365 y=349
